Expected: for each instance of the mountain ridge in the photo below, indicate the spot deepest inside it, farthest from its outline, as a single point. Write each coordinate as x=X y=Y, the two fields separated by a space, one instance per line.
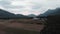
x=6 y=14
x=50 y=12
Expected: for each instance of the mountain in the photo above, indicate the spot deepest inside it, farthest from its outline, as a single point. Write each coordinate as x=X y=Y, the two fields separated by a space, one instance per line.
x=6 y=14
x=51 y=12
x=21 y=16
x=57 y=11
x=32 y=15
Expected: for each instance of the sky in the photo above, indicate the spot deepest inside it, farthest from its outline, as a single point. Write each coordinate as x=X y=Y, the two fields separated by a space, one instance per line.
x=26 y=7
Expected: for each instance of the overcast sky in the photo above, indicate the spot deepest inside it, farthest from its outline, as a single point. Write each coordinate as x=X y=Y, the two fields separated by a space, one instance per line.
x=29 y=6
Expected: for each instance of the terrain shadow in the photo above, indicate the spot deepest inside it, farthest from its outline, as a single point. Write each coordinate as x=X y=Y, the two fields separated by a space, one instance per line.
x=53 y=25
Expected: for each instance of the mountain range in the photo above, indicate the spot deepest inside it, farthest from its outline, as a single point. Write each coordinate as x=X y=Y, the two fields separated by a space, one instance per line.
x=6 y=14
x=32 y=15
x=50 y=12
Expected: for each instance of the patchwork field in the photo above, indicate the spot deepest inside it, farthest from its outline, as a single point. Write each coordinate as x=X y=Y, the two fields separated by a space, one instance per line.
x=20 y=26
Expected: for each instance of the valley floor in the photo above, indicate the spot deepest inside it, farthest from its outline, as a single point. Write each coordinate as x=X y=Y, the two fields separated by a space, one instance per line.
x=20 y=26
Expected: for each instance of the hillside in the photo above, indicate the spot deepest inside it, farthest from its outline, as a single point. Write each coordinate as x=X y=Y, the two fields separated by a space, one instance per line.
x=50 y=12
x=5 y=14
x=32 y=15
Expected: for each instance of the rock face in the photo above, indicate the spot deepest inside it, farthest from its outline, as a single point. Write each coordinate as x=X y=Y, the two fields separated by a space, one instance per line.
x=53 y=25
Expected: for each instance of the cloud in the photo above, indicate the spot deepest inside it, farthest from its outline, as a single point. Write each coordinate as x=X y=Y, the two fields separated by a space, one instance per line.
x=29 y=6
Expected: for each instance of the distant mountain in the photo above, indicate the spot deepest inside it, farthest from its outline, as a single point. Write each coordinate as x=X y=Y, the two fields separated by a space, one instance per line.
x=6 y=14
x=21 y=16
x=32 y=15
x=57 y=11
x=51 y=12
x=48 y=12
